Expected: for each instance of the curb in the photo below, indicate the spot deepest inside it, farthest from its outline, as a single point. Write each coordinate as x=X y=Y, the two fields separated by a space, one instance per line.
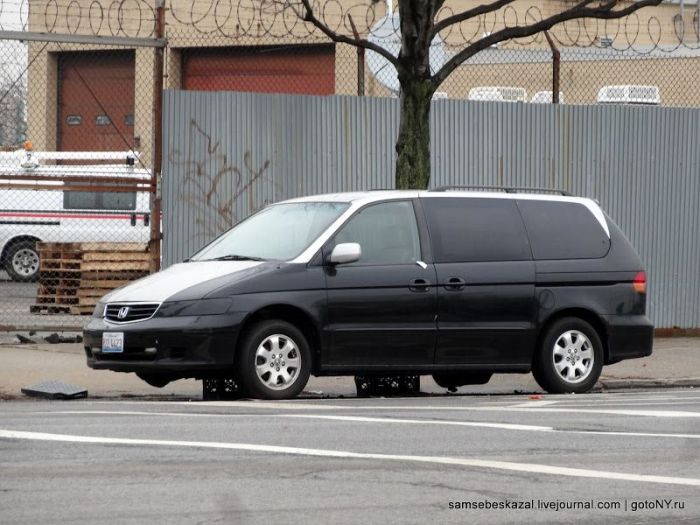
x=630 y=384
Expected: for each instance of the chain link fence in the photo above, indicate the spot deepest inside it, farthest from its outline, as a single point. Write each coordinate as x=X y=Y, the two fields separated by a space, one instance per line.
x=80 y=87
x=76 y=158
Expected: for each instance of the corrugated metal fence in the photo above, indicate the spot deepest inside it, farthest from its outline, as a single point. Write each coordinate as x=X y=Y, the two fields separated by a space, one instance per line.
x=228 y=154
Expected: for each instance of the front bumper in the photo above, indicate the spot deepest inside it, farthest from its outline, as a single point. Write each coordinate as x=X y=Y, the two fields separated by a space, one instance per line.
x=177 y=346
x=629 y=337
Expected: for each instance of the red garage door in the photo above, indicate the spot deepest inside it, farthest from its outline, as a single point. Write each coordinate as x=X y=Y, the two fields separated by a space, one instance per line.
x=96 y=101
x=308 y=70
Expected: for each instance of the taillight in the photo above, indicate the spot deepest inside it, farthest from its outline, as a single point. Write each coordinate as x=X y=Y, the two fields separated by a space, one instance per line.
x=640 y=282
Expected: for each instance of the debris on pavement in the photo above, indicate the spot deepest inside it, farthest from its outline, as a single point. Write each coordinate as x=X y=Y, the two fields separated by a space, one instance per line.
x=55 y=390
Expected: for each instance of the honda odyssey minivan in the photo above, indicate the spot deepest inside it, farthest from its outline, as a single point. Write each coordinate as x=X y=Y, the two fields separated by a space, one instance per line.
x=459 y=284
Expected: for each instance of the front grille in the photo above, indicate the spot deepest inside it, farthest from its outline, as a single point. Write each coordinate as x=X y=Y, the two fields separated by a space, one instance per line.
x=134 y=312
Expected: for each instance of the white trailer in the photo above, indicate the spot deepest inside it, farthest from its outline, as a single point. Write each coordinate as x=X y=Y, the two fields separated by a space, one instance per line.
x=32 y=211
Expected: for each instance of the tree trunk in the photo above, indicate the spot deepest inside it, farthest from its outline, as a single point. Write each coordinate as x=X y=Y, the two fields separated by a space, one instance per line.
x=413 y=143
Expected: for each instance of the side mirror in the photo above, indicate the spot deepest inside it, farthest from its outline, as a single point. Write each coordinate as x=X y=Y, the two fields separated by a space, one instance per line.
x=348 y=252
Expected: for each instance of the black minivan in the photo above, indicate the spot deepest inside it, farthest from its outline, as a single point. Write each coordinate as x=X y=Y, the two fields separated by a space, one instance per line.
x=457 y=284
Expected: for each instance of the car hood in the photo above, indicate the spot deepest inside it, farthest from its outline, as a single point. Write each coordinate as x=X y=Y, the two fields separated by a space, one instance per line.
x=160 y=286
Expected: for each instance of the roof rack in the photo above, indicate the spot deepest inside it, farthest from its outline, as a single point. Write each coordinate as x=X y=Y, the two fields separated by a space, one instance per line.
x=504 y=189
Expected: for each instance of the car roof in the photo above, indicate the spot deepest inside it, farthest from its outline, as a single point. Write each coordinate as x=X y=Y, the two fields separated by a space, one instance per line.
x=360 y=198
x=355 y=196
x=380 y=195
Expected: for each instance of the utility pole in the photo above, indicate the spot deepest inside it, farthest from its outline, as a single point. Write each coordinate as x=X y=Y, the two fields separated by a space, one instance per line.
x=360 y=61
x=156 y=235
x=556 y=59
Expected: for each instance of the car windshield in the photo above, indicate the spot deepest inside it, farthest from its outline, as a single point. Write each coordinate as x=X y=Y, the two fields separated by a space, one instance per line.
x=279 y=232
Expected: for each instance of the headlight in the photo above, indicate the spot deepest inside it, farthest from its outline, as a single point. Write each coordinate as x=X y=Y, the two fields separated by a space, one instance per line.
x=99 y=310
x=193 y=308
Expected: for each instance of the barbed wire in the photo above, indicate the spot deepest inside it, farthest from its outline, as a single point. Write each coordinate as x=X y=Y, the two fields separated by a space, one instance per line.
x=641 y=32
x=130 y=18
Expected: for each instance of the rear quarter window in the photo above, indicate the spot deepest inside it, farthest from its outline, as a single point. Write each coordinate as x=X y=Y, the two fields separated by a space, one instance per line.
x=563 y=230
x=475 y=230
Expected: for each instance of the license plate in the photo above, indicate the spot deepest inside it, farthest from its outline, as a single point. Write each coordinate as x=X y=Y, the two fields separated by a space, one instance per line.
x=113 y=342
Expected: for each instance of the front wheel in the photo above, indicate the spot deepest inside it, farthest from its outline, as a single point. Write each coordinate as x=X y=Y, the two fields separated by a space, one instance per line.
x=274 y=361
x=570 y=358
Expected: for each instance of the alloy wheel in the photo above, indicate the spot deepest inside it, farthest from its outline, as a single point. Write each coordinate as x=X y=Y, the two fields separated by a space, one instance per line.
x=278 y=362
x=573 y=356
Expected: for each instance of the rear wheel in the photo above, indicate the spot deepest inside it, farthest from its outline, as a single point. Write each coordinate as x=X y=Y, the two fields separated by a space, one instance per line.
x=22 y=261
x=570 y=358
x=274 y=361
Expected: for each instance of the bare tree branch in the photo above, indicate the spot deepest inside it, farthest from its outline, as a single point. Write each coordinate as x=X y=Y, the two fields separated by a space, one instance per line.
x=467 y=15
x=603 y=11
x=309 y=16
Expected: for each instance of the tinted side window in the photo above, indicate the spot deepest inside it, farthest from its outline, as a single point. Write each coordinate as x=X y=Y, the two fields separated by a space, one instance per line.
x=118 y=201
x=80 y=200
x=387 y=233
x=90 y=200
x=563 y=230
x=472 y=230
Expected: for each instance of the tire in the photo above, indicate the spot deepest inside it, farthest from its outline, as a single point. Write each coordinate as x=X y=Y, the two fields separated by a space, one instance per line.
x=274 y=361
x=453 y=380
x=570 y=357
x=22 y=261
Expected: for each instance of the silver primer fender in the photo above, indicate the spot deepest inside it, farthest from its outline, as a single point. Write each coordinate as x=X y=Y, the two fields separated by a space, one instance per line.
x=158 y=287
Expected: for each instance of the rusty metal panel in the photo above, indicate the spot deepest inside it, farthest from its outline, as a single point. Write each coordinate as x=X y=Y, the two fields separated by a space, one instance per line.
x=96 y=100
x=307 y=69
x=228 y=154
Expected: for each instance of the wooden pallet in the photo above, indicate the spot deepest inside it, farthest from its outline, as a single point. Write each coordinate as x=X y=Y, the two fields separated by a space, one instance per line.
x=47 y=309
x=73 y=276
x=104 y=275
x=82 y=310
x=84 y=247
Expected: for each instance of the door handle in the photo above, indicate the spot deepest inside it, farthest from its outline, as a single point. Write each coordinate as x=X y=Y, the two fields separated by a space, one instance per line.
x=455 y=284
x=418 y=285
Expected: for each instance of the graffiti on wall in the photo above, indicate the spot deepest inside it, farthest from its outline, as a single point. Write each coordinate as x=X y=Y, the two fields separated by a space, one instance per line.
x=216 y=192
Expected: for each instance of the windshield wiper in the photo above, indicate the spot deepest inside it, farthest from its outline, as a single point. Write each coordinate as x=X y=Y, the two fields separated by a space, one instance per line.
x=237 y=258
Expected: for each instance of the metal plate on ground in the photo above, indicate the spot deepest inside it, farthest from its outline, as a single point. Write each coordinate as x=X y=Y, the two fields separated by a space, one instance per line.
x=55 y=390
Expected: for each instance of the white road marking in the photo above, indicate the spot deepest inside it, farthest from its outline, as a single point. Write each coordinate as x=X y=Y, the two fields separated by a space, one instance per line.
x=483 y=424
x=534 y=404
x=630 y=434
x=341 y=454
x=422 y=408
x=623 y=403
x=501 y=426
x=358 y=419
x=361 y=419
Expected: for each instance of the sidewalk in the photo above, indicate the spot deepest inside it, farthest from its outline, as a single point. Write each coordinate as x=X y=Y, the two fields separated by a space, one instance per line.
x=674 y=363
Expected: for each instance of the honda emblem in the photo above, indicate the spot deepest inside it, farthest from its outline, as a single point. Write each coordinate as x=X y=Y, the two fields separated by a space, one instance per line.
x=123 y=312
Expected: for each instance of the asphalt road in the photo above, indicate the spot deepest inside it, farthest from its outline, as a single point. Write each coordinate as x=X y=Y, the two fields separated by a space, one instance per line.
x=400 y=460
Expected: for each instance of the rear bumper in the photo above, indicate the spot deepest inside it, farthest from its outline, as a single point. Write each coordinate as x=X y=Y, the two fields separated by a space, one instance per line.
x=629 y=337
x=177 y=346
